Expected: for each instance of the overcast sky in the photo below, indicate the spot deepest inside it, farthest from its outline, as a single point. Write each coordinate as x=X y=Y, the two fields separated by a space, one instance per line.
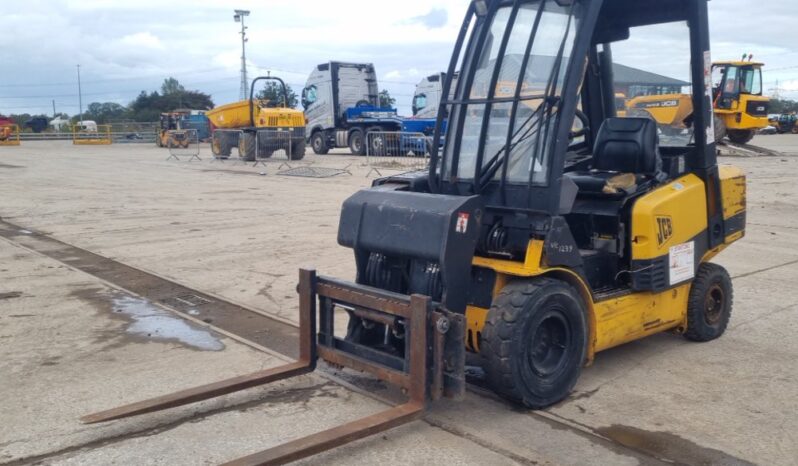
x=126 y=46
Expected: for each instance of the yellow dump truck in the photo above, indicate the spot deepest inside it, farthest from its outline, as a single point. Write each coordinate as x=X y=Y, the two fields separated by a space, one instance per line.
x=258 y=127
x=670 y=110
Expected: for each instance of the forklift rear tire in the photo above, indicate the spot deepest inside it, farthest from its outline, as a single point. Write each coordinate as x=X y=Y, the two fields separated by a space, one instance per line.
x=710 y=303
x=534 y=341
x=741 y=136
x=357 y=145
x=319 y=143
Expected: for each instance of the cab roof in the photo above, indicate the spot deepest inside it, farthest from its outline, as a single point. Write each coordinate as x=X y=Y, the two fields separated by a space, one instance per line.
x=738 y=63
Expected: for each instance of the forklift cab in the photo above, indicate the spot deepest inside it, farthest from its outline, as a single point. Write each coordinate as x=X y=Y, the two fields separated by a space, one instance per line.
x=553 y=160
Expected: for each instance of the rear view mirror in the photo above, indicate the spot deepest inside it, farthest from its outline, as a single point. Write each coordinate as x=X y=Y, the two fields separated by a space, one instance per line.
x=611 y=34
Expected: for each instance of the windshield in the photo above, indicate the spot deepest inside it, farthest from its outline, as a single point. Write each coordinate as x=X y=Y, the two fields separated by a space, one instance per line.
x=751 y=81
x=503 y=114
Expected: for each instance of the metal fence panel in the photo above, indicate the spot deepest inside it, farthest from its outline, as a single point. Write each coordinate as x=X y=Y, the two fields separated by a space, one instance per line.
x=183 y=143
x=89 y=137
x=396 y=150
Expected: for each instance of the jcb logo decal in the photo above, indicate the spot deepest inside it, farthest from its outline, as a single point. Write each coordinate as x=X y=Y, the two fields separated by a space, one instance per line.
x=664 y=230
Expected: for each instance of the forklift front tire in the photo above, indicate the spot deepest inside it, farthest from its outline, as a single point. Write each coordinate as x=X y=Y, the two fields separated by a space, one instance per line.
x=710 y=303
x=534 y=341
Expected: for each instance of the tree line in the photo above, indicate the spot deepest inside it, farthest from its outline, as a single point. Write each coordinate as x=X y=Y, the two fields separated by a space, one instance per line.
x=148 y=106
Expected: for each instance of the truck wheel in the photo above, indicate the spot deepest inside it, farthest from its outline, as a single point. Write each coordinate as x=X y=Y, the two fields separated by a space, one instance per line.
x=709 y=305
x=319 y=143
x=356 y=144
x=534 y=341
x=246 y=146
x=298 y=149
x=741 y=136
x=219 y=146
x=377 y=142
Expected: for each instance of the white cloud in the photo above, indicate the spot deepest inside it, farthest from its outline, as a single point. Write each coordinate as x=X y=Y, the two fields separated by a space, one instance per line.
x=141 y=39
x=125 y=46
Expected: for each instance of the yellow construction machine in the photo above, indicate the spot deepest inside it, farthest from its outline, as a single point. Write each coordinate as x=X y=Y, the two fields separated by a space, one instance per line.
x=739 y=102
x=741 y=109
x=258 y=127
x=531 y=245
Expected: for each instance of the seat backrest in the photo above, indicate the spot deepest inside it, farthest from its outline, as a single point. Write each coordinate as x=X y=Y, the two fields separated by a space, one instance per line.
x=628 y=145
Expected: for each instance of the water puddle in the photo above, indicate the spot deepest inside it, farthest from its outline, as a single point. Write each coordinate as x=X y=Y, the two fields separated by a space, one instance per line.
x=154 y=323
x=667 y=446
x=25 y=232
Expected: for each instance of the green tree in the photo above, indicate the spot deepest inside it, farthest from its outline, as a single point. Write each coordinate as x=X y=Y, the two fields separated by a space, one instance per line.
x=385 y=99
x=173 y=96
x=783 y=106
x=171 y=86
x=273 y=92
x=107 y=112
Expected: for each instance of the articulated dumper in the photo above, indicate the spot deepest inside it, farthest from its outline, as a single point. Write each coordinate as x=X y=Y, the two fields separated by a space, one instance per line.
x=258 y=127
x=531 y=245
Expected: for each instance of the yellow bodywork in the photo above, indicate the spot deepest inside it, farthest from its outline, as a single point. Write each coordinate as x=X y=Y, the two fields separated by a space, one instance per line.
x=628 y=317
x=9 y=135
x=737 y=118
x=236 y=115
x=666 y=109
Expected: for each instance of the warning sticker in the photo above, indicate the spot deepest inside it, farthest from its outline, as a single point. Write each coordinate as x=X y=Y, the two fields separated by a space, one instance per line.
x=708 y=92
x=681 y=259
x=462 y=223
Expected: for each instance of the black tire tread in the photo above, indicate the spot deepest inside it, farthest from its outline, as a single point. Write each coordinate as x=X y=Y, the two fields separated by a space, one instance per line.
x=695 y=303
x=496 y=342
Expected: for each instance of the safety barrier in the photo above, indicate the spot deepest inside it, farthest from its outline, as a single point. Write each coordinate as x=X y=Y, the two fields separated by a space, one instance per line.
x=183 y=143
x=9 y=135
x=278 y=145
x=396 y=150
x=89 y=137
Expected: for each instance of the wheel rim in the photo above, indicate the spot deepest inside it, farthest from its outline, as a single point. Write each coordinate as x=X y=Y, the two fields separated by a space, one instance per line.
x=356 y=143
x=317 y=143
x=714 y=304
x=547 y=352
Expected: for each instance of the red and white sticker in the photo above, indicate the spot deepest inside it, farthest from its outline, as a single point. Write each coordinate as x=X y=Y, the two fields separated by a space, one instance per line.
x=462 y=223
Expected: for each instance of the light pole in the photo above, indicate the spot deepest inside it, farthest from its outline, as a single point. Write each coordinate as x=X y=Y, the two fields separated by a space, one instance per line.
x=80 y=98
x=239 y=18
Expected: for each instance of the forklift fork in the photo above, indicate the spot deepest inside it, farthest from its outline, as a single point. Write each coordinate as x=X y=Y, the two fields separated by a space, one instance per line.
x=425 y=336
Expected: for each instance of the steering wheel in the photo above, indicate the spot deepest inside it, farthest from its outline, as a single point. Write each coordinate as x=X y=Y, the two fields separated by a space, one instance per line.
x=585 y=126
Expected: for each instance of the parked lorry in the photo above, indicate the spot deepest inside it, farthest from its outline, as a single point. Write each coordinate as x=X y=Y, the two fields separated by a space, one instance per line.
x=258 y=127
x=341 y=102
x=427 y=97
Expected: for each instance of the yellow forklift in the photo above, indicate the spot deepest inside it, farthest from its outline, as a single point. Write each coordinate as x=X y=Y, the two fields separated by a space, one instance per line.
x=529 y=244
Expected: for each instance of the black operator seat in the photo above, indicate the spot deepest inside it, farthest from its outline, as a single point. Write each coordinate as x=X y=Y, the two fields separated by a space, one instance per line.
x=626 y=159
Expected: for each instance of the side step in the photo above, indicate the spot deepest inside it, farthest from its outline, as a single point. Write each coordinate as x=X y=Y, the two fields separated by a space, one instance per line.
x=420 y=373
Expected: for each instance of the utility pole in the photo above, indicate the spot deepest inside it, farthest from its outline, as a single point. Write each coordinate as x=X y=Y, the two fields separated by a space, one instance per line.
x=53 y=108
x=239 y=18
x=80 y=98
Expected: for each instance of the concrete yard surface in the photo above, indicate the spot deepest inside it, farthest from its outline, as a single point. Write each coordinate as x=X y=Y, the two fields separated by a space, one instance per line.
x=74 y=341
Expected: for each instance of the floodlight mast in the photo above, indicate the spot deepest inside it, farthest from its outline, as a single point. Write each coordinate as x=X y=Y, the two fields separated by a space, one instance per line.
x=239 y=18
